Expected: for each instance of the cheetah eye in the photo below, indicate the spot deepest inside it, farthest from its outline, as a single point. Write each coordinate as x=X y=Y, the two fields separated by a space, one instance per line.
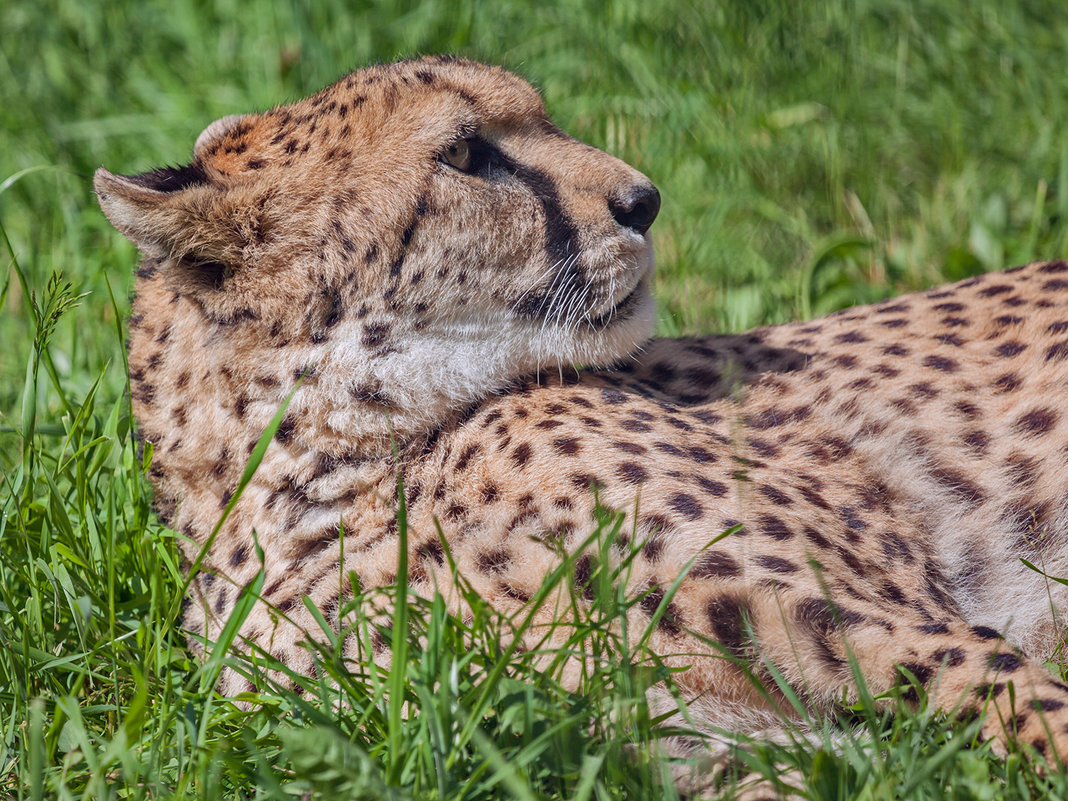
x=458 y=155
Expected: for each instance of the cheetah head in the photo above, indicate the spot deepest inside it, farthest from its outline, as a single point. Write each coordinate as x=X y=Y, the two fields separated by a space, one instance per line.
x=412 y=238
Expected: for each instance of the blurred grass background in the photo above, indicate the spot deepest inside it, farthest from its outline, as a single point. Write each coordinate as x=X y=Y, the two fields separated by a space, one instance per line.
x=811 y=155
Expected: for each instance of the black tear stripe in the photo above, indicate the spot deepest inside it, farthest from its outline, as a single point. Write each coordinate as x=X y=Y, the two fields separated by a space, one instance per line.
x=561 y=235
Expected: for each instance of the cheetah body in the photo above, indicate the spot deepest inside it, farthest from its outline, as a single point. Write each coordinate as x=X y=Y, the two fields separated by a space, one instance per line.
x=884 y=469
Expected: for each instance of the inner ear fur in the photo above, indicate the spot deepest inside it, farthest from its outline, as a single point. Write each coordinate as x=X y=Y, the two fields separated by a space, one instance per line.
x=176 y=214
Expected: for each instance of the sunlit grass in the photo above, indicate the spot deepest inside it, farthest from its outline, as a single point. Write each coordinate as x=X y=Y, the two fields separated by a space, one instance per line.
x=810 y=156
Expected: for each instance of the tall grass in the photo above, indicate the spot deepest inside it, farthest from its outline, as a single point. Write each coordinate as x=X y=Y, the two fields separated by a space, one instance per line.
x=810 y=156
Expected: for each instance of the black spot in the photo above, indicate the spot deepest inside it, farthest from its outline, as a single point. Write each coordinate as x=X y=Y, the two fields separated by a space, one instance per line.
x=586 y=482
x=1009 y=349
x=669 y=620
x=726 y=615
x=851 y=337
x=768 y=418
x=632 y=473
x=431 y=549
x=466 y=456
x=495 y=560
x=933 y=628
x=285 y=429
x=773 y=527
x=822 y=616
x=374 y=334
x=775 y=495
x=1022 y=470
x=238 y=557
x=852 y=520
x=985 y=633
x=1047 y=704
x=700 y=455
x=996 y=289
x=941 y=363
x=1036 y=422
x=492 y=418
x=521 y=455
x=653 y=547
x=1057 y=352
x=1005 y=663
x=1007 y=320
x=977 y=440
x=715 y=488
x=920 y=672
x=776 y=564
x=958 y=484
x=1052 y=267
x=763 y=448
x=567 y=446
x=584 y=566
x=714 y=564
x=372 y=395
x=686 y=505
x=1009 y=382
x=667 y=447
x=951 y=657
x=923 y=390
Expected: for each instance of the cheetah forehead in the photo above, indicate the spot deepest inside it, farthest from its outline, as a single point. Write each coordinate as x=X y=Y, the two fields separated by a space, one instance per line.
x=429 y=98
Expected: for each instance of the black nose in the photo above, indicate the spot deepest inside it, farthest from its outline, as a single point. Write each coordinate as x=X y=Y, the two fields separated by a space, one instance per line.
x=637 y=207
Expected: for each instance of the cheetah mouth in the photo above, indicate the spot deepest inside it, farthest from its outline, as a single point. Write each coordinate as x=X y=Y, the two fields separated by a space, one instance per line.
x=624 y=309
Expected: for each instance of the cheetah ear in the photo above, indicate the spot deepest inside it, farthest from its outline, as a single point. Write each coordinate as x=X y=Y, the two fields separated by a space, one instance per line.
x=149 y=209
x=174 y=213
x=214 y=133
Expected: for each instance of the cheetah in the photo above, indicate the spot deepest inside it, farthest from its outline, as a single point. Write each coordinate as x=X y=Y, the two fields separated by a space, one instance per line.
x=447 y=287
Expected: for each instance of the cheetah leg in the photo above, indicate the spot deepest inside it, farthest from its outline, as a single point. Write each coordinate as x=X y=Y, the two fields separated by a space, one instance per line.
x=964 y=669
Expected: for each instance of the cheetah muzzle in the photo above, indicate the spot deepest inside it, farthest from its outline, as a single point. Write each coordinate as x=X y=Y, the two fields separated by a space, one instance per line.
x=430 y=257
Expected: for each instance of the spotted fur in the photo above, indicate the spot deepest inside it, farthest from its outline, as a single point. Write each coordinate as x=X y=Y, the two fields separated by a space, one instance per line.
x=886 y=467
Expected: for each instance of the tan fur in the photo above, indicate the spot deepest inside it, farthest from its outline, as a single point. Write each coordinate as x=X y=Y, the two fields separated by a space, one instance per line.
x=889 y=464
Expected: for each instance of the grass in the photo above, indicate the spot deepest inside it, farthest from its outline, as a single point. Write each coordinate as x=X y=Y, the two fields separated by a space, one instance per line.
x=810 y=156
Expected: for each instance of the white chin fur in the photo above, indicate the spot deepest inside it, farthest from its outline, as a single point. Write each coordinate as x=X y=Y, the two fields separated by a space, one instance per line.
x=445 y=369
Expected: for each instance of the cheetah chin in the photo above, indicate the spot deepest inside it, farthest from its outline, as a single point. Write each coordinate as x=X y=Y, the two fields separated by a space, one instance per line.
x=420 y=258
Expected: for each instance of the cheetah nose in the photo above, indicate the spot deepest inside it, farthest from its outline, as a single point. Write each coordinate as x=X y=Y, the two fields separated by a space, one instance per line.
x=637 y=208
